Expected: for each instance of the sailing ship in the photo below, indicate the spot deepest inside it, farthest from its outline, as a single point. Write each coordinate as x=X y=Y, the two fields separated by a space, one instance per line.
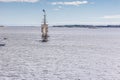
x=44 y=28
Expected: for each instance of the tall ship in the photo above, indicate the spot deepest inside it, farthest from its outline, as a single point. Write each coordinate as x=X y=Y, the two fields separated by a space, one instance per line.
x=44 y=28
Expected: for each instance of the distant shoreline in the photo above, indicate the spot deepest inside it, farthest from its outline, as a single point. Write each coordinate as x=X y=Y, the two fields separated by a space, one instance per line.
x=75 y=26
x=2 y=26
x=88 y=26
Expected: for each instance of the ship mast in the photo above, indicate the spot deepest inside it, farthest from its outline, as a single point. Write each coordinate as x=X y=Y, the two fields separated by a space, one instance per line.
x=44 y=16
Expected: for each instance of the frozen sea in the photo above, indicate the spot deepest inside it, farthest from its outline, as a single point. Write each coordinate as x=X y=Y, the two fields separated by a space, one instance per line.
x=70 y=54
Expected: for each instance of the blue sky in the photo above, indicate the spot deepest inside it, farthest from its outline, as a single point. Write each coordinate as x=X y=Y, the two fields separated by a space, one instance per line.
x=29 y=12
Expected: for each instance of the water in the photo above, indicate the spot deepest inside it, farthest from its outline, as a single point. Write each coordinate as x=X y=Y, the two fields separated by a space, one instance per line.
x=70 y=54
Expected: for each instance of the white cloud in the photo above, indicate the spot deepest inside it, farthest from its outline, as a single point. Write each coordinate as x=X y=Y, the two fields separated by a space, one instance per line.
x=74 y=3
x=111 y=17
x=19 y=1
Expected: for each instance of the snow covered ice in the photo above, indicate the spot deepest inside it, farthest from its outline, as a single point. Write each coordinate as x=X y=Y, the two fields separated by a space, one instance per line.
x=70 y=54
